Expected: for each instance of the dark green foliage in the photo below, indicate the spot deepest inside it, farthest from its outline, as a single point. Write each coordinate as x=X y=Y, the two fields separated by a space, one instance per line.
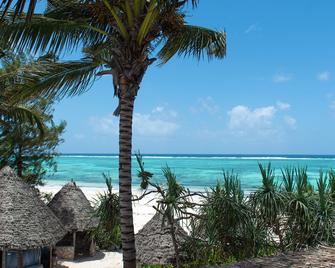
x=28 y=137
x=331 y=176
x=13 y=70
x=268 y=202
x=227 y=228
x=108 y=233
x=324 y=212
x=274 y=218
x=32 y=156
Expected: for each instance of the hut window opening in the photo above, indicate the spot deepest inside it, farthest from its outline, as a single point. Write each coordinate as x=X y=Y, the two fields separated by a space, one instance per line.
x=83 y=244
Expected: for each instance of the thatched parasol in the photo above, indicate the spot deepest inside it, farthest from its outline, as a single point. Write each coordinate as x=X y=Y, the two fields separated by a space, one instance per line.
x=25 y=221
x=73 y=209
x=154 y=243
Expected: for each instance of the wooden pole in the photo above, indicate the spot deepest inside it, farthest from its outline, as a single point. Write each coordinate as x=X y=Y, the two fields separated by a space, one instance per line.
x=51 y=265
x=74 y=244
x=3 y=263
x=20 y=259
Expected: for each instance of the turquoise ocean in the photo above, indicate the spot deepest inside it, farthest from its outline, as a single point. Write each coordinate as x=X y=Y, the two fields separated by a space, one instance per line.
x=193 y=171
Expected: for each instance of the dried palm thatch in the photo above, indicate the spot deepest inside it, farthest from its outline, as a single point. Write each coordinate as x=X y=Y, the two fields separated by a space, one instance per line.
x=154 y=243
x=25 y=221
x=73 y=209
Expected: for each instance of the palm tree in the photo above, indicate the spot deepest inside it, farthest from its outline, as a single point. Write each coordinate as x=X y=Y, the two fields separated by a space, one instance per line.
x=121 y=38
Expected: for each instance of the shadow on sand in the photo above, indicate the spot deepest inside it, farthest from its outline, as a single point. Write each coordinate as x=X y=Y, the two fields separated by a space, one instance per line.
x=98 y=256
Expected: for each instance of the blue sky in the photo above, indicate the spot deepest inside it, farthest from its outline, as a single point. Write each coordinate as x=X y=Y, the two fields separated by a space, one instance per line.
x=273 y=94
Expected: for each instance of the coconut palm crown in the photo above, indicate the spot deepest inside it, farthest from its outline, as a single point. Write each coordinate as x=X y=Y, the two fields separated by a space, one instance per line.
x=121 y=38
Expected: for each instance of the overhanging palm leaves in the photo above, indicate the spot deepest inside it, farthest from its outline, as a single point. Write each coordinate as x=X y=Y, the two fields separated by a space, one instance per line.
x=61 y=79
x=20 y=114
x=11 y=80
x=126 y=34
x=45 y=33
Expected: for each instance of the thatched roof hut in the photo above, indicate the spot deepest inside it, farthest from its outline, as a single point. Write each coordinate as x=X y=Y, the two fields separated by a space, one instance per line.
x=154 y=243
x=75 y=212
x=73 y=209
x=25 y=221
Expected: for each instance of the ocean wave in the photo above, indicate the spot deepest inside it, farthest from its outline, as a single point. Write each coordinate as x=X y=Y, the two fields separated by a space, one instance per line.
x=89 y=156
x=206 y=157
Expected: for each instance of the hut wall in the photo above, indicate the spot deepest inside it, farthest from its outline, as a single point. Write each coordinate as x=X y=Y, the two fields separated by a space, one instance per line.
x=11 y=259
x=65 y=249
x=31 y=257
x=65 y=252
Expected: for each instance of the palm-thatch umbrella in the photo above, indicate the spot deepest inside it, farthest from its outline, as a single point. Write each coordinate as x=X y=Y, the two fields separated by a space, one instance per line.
x=27 y=225
x=75 y=212
x=154 y=243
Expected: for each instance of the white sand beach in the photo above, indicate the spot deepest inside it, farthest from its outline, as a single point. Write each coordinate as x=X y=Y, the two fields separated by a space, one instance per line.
x=143 y=212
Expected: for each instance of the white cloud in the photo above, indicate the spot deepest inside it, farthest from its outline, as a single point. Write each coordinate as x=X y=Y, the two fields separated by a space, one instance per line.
x=160 y=122
x=283 y=105
x=324 y=76
x=252 y=28
x=281 y=77
x=243 y=119
x=149 y=125
x=206 y=104
x=106 y=125
x=290 y=121
x=261 y=122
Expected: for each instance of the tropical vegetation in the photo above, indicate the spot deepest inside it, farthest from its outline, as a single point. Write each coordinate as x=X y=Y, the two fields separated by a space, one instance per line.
x=108 y=233
x=13 y=69
x=284 y=213
x=28 y=134
x=121 y=38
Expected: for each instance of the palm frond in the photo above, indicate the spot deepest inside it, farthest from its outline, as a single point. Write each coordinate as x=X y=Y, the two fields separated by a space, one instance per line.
x=43 y=33
x=194 y=41
x=22 y=113
x=147 y=22
x=62 y=79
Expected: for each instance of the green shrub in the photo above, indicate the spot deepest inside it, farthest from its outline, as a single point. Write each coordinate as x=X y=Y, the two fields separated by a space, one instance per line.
x=108 y=233
x=276 y=217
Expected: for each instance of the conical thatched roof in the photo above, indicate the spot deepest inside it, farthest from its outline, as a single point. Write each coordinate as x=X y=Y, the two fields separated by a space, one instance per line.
x=73 y=209
x=154 y=243
x=25 y=221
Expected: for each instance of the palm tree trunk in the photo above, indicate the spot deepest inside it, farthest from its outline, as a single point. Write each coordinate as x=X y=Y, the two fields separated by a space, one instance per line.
x=126 y=211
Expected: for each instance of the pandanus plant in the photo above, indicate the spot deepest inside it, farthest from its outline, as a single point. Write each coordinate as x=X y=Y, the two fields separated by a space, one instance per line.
x=269 y=202
x=121 y=38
